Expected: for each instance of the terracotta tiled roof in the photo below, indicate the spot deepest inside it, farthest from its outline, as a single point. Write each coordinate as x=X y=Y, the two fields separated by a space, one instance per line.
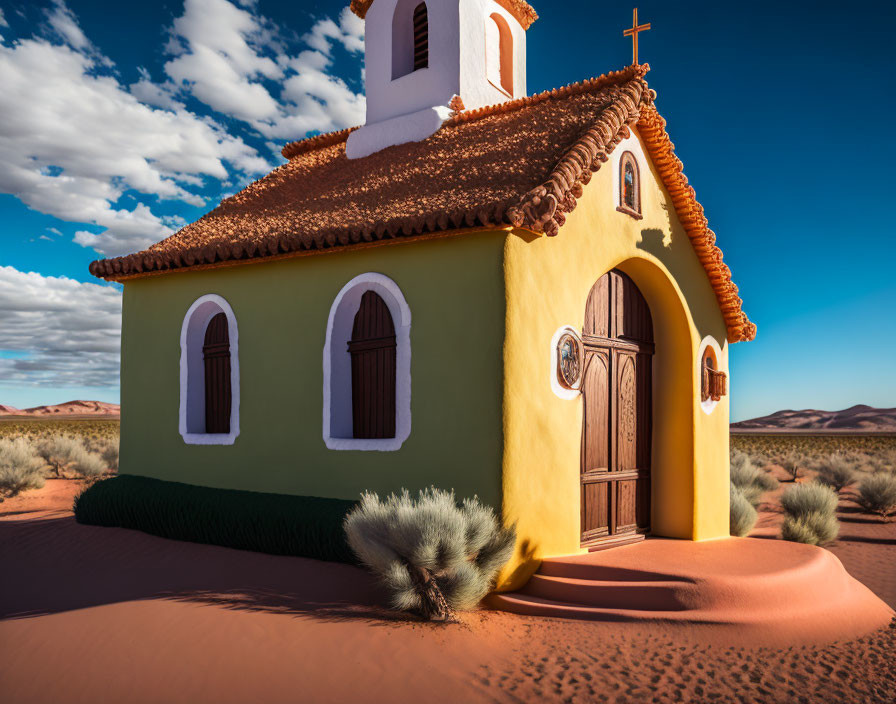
x=522 y=163
x=523 y=11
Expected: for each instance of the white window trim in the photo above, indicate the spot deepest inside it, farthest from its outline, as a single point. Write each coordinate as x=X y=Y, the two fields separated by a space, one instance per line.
x=209 y=438
x=708 y=405
x=557 y=387
x=342 y=320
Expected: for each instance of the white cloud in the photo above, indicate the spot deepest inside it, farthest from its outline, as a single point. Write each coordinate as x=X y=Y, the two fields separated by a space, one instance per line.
x=3 y=22
x=73 y=140
x=232 y=60
x=63 y=21
x=69 y=332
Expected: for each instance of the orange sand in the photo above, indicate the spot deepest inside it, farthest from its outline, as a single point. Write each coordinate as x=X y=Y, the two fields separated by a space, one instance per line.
x=108 y=615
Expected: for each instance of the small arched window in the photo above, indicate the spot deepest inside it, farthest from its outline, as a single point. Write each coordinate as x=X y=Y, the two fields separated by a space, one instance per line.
x=713 y=383
x=410 y=37
x=209 y=373
x=499 y=53
x=367 y=366
x=629 y=186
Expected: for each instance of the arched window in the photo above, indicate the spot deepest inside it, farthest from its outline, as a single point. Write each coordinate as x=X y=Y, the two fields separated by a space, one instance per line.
x=629 y=186
x=421 y=37
x=713 y=383
x=410 y=37
x=499 y=53
x=367 y=367
x=209 y=373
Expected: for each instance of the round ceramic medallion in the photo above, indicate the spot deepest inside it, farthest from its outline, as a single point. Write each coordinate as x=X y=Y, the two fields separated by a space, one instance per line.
x=569 y=360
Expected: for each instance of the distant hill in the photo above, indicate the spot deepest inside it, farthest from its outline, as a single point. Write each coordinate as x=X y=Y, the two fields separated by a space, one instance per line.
x=859 y=418
x=98 y=409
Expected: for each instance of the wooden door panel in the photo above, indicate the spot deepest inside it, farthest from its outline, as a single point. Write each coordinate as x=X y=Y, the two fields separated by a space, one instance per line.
x=626 y=505
x=597 y=309
x=626 y=419
x=595 y=509
x=596 y=431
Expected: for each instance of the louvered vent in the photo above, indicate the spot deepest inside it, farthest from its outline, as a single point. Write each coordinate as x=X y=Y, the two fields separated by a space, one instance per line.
x=421 y=37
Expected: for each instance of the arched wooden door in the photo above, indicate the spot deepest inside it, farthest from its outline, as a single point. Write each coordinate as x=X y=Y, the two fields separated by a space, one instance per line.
x=615 y=476
x=216 y=358
x=372 y=349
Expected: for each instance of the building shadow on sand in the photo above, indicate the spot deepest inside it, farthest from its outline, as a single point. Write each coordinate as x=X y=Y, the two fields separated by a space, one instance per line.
x=52 y=565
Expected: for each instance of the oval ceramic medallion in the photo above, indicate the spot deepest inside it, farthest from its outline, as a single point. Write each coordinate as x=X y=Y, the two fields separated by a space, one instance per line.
x=569 y=360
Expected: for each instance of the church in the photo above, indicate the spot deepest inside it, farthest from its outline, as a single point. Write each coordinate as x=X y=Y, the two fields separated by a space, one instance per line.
x=513 y=296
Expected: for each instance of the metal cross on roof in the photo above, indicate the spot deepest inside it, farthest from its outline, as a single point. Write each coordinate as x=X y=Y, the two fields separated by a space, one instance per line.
x=633 y=33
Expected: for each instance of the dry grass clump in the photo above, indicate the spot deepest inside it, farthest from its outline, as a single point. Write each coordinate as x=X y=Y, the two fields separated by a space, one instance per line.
x=810 y=514
x=743 y=514
x=59 y=451
x=751 y=481
x=793 y=464
x=89 y=465
x=434 y=555
x=835 y=472
x=877 y=494
x=20 y=467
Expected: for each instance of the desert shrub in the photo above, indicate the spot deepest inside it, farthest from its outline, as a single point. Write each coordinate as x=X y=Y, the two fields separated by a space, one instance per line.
x=20 y=467
x=813 y=528
x=750 y=480
x=877 y=494
x=433 y=554
x=89 y=465
x=743 y=514
x=59 y=451
x=803 y=499
x=792 y=464
x=742 y=468
x=279 y=524
x=835 y=472
x=109 y=453
x=810 y=514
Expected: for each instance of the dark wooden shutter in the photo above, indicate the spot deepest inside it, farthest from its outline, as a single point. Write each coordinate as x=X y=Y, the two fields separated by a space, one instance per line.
x=421 y=36
x=714 y=383
x=372 y=349
x=216 y=356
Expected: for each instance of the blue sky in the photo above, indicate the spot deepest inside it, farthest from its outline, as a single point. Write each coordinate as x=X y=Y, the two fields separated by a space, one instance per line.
x=119 y=122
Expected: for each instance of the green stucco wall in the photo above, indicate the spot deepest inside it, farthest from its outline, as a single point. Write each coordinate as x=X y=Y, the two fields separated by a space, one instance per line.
x=454 y=288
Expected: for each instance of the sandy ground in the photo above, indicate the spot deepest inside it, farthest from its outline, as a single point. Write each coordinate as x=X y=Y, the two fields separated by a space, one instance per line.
x=866 y=545
x=108 y=615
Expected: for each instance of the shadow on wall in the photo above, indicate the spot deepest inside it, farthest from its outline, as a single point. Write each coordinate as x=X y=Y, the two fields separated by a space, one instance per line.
x=697 y=290
x=84 y=566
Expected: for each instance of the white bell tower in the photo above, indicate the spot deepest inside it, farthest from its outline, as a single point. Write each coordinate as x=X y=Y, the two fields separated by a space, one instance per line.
x=419 y=54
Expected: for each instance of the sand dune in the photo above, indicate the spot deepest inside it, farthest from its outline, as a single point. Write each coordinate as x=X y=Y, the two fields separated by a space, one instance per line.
x=858 y=418
x=67 y=409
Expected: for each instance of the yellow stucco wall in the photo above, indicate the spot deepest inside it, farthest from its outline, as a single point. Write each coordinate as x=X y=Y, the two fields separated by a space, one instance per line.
x=547 y=283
